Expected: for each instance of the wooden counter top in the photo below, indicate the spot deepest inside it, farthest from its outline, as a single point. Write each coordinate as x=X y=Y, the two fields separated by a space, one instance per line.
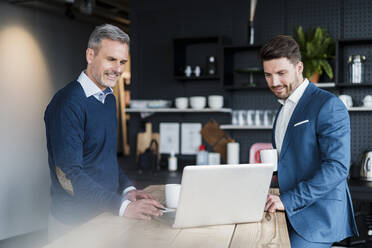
x=107 y=230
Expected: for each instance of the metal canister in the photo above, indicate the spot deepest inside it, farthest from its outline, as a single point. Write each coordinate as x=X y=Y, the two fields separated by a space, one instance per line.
x=356 y=68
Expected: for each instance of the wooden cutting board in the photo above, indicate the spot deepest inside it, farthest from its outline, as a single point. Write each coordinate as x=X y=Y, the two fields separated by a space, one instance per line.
x=216 y=138
x=144 y=139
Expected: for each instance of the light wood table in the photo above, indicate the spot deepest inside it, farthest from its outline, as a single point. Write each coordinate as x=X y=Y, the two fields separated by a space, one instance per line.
x=107 y=230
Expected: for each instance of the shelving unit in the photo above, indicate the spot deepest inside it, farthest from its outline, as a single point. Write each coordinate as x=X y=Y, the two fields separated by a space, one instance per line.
x=346 y=48
x=232 y=60
x=175 y=110
x=195 y=51
x=236 y=59
x=359 y=109
x=348 y=85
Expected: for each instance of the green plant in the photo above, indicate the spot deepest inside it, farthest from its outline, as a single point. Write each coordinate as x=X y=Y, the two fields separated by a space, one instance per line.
x=316 y=47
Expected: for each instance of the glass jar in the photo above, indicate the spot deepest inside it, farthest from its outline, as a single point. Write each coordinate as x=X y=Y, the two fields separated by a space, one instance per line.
x=356 y=68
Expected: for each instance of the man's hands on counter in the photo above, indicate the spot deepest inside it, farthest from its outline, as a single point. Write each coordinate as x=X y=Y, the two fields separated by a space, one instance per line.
x=273 y=203
x=143 y=209
x=143 y=205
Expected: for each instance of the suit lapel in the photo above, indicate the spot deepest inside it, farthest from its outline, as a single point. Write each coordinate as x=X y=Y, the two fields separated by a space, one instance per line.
x=274 y=126
x=298 y=111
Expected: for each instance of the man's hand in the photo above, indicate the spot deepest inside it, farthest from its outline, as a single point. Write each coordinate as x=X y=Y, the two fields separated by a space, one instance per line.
x=143 y=209
x=135 y=195
x=273 y=203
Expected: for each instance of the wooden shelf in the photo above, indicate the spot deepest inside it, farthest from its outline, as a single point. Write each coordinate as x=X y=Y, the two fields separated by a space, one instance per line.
x=236 y=127
x=360 y=109
x=326 y=85
x=349 y=85
x=355 y=41
x=175 y=110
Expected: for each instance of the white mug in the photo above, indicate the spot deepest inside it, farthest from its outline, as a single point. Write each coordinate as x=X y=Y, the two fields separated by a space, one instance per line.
x=269 y=156
x=172 y=195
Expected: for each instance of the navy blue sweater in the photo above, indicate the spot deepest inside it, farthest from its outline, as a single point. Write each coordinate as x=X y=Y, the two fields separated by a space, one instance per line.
x=81 y=142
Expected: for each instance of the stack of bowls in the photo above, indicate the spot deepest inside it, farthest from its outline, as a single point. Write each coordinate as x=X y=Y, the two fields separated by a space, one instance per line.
x=215 y=101
x=198 y=102
x=182 y=102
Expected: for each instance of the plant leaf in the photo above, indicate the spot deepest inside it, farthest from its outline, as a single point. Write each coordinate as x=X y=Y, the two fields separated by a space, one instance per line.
x=327 y=68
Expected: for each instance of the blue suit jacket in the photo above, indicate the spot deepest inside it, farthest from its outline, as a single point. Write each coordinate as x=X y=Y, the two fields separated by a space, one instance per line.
x=313 y=168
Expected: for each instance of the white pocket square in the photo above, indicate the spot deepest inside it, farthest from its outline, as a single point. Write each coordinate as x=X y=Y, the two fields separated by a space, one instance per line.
x=300 y=123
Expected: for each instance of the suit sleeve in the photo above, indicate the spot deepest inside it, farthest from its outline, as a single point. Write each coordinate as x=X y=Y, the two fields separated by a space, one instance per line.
x=67 y=138
x=333 y=139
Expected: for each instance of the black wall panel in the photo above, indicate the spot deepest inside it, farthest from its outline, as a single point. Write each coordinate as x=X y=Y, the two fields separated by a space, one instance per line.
x=357 y=19
x=269 y=19
x=155 y=24
x=313 y=13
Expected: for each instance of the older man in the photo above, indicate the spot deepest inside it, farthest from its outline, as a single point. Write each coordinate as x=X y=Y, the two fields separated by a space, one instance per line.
x=81 y=140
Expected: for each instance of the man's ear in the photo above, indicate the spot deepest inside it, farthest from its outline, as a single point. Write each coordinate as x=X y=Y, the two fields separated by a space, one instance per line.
x=300 y=67
x=90 y=55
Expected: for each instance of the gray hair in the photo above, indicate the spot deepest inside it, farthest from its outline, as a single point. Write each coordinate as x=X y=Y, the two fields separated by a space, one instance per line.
x=106 y=31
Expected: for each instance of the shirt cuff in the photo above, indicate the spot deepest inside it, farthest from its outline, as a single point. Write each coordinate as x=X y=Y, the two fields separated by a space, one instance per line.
x=123 y=206
x=127 y=189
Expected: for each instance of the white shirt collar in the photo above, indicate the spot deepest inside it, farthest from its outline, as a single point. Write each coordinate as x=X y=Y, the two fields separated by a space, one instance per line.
x=89 y=87
x=297 y=94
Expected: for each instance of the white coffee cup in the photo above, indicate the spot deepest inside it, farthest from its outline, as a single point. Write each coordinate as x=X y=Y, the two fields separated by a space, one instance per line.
x=347 y=100
x=269 y=156
x=172 y=195
x=182 y=102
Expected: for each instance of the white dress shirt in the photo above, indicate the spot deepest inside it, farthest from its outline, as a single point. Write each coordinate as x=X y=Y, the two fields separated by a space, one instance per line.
x=286 y=112
x=91 y=89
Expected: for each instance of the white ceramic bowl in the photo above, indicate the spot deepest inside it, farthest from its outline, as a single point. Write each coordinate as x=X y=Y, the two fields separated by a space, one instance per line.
x=182 y=102
x=347 y=100
x=158 y=104
x=138 y=104
x=198 y=102
x=367 y=101
x=215 y=102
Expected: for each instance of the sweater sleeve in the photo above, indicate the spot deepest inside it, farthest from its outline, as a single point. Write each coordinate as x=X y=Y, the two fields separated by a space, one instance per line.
x=66 y=138
x=124 y=181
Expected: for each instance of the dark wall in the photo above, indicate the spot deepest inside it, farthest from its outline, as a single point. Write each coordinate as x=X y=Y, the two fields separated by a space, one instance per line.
x=156 y=23
x=40 y=53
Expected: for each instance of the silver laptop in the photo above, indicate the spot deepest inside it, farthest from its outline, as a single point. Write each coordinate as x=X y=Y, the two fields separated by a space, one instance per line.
x=222 y=194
